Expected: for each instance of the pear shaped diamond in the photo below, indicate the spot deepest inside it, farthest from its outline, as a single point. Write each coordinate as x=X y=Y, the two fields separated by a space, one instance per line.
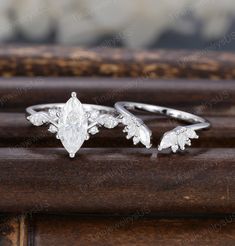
x=72 y=125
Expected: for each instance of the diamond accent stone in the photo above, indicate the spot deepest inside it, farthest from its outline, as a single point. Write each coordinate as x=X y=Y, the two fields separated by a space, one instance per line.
x=191 y=133
x=137 y=130
x=72 y=125
x=38 y=119
x=107 y=121
x=52 y=129
x=94 y=114
x=94 y=130
x=169 y=139
x=182 y=138
x=144 y=136
x=177 y=138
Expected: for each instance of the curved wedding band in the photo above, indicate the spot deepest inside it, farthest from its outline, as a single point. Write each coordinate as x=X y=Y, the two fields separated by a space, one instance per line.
x=73 y=122
x=175 y=139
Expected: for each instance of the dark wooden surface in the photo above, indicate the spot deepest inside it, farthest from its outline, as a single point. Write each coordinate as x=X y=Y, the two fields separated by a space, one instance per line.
x=206 y=169
x=13 y=230
x=71 y=61
x=198 y=96
x=117 y=181
x=136 y=229
x=133 y=230
x=113 y=194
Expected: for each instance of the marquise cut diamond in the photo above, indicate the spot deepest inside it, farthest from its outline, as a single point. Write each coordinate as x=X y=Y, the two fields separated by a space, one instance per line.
x=145 y=136
x=138 y=130
x=72 y=125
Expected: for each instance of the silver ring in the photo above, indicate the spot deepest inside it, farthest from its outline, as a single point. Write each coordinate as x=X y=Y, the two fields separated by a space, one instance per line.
x=175 y=139
x=73 y=122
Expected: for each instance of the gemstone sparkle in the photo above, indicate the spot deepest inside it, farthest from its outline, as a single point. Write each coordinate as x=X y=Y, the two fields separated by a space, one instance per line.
x=72 y=125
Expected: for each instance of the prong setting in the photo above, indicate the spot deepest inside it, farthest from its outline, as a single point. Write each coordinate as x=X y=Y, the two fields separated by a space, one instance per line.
x=71 y=123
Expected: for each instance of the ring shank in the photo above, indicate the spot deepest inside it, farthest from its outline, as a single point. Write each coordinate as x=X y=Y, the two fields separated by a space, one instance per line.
x=88 y=107
x=197 y=122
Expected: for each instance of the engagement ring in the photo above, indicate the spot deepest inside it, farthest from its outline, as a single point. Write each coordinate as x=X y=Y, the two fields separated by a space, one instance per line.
x=73 y=122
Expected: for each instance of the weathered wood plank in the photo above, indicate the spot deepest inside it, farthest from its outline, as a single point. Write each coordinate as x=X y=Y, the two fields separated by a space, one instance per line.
x=200 y=181
x=13 y=230
x=133 y=230
x=72 y=61
x=198 y=96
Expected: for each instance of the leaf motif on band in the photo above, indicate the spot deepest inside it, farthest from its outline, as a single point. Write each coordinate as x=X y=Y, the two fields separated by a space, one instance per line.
x=107 y=120
x=137 y=130
x=38 y=119
x=177 y=138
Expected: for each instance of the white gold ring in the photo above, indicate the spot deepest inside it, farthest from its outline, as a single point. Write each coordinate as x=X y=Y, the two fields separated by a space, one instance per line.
x=73 y=122
x=175 y=139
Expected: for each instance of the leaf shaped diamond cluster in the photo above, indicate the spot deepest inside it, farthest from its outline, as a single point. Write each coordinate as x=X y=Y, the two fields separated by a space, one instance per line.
x=137 y=130
x=177 y=138
x=38 y=119
x=105 y=120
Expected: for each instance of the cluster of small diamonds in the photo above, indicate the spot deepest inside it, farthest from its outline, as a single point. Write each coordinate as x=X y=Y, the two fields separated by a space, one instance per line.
x=177 y=139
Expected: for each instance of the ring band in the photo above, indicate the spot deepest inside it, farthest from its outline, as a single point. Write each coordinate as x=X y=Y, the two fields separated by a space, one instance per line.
x=175 y=139
x=73 y=122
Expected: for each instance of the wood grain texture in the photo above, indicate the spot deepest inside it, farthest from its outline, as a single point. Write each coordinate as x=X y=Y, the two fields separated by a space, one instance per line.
x=133 y=230
x=17 y=132
x=141 y=186
x=117 y=181
x=13 y=230
x=73 y=61
x=198 y=96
